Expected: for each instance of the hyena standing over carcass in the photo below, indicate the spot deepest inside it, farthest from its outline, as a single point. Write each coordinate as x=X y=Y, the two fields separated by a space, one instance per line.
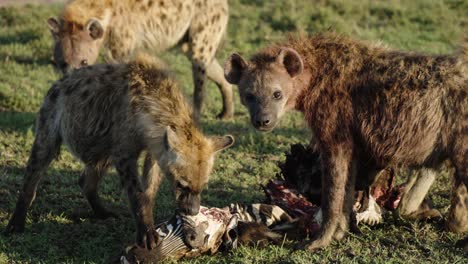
x=369 y=108
x=109 y=115
x=126 y=26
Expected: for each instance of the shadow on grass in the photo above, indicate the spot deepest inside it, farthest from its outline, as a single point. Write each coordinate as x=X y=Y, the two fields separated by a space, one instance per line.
x=54 y=230
x=16 y=121
x=27 y=60
x=59 y=242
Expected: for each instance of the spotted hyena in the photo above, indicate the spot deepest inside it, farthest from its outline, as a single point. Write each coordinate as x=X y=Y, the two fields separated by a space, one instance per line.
x=369 y=107
x=125 y=26
x=110 y=115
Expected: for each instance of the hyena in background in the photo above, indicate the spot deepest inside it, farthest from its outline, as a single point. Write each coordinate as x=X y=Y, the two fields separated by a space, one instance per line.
x=109 y=115
x=126 y=26
x=369 y=107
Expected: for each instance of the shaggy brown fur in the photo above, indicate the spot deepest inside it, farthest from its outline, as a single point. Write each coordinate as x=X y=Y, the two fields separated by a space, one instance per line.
x=111 y=114
x=369 y=107
x=126 y=26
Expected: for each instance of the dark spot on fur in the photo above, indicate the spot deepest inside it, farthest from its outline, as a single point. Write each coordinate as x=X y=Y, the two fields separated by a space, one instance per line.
x=163 y=17
x=85 y=94
x=215 y=18
x=199 y=29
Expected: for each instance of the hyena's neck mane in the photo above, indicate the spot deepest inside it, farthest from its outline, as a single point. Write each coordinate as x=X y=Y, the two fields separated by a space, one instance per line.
x=157 y=103
x=330 y=61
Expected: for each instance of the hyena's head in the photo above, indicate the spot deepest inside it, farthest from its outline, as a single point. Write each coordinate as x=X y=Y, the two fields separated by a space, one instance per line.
x=266 y=84
x=75 y=45
x=188 y=160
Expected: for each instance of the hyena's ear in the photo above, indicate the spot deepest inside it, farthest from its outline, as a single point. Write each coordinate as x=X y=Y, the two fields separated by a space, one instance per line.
x=234 y=67
x=95 y=28
x=291 y=60
x=220 y=143
x=53 y=25
x=171 y=140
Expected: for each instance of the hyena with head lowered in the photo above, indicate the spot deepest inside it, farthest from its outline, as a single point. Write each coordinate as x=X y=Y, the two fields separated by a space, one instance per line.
x=369 y=108
x=126 y=26
x=110 y=115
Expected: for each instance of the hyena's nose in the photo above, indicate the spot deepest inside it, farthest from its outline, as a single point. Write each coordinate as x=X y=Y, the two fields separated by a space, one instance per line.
x=263 y=120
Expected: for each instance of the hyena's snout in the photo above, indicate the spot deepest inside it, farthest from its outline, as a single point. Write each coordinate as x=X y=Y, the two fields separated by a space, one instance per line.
x=189 y=203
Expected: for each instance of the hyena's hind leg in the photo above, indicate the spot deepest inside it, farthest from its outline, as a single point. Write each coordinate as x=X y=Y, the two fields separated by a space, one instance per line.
x=89 y=181
x=216 y=74
x=45 y=148
x=204 y=36
x=457 y=220
x=412 y=204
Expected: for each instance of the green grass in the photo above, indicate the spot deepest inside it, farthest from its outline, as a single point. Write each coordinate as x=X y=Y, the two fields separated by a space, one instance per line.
x=54 y=233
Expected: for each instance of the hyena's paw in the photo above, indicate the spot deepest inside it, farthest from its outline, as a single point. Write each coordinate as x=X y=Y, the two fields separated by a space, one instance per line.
x=318 y=244
x=148 y=238
x=225 y=115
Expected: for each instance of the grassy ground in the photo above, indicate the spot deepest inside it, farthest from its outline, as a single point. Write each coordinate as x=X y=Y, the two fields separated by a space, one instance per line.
x=53 y=232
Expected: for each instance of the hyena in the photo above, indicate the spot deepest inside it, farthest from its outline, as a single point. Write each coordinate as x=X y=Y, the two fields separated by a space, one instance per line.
x=110 y=115
x=369 y=108
x=126 y=26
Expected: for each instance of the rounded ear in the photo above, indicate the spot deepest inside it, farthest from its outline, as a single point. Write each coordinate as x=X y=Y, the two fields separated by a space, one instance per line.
x=53 y=25
x=170 y=138
x=291 y=60
x=220 y=143
x=234 y=67
x=95 y=28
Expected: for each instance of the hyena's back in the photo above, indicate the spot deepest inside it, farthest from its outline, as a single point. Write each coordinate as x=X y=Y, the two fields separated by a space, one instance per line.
x=91 y=112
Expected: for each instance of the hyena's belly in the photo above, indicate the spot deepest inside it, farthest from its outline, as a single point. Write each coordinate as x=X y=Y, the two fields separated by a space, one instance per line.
x=90 y=142
x=409 y=135
x=91 y=129
x=165 y=28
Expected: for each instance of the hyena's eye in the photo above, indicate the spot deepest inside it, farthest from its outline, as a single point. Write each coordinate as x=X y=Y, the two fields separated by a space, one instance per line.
x=277 y=95
x=250 y=97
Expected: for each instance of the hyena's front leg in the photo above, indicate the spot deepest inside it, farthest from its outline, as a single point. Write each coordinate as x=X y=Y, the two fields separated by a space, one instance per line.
x=46 y=146
x=348 y=202
x=89 y=182
x=336 y=170
x=140 y=203
x=151 y=178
